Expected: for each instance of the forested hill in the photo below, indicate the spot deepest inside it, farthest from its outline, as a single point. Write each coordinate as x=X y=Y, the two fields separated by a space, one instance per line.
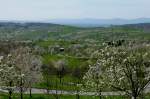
x=32 y=31
x=143 y=26
x=46 y=31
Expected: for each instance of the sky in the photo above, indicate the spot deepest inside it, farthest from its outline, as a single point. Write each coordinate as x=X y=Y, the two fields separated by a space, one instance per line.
x=73 y=9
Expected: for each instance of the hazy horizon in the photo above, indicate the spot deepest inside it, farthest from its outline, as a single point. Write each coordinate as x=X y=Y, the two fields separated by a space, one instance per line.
x=73 y=9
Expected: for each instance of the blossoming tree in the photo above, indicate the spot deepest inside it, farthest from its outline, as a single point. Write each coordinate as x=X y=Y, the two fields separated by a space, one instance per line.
x=8 y=74
x=125 y=69
x=29 y=67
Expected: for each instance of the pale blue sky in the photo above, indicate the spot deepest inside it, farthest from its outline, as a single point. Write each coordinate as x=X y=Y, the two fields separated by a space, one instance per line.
x=72 y=9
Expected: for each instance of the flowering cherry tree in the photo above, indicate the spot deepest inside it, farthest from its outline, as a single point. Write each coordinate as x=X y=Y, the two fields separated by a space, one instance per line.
x=94 y=79
x=19 y=69
x=28 y=65
x=122 y=68
x=8 y=74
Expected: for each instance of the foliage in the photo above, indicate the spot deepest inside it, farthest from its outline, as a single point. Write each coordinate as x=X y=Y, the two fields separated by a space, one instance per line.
x=20 y=68
x=8 y=74
x=124 y=69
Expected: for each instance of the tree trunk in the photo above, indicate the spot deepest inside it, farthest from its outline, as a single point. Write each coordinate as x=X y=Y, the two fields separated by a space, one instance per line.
x=10 y=91
x=77 y=96
x=47 y=81
x=134 y=97
x=21 y=89
x=100 y=95
x=30 y=92
x=21 y=92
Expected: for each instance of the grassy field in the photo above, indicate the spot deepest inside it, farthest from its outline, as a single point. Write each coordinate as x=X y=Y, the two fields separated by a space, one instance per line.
x=41 y=96
x=67 y=83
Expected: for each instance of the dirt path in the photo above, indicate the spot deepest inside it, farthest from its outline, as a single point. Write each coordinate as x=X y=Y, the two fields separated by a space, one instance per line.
x=44 y=91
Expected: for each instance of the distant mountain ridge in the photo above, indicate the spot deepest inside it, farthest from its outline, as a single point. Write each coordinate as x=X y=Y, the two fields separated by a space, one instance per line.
x=87 y=22
x=98 y=22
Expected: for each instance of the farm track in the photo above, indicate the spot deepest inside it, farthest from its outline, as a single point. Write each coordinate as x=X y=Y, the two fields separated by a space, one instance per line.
x=45 y=91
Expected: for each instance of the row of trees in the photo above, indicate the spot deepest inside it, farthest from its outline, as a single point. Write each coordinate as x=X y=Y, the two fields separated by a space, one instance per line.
x=54 y=72
x=125 y=69
x=22 y=68
x=19 y=70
